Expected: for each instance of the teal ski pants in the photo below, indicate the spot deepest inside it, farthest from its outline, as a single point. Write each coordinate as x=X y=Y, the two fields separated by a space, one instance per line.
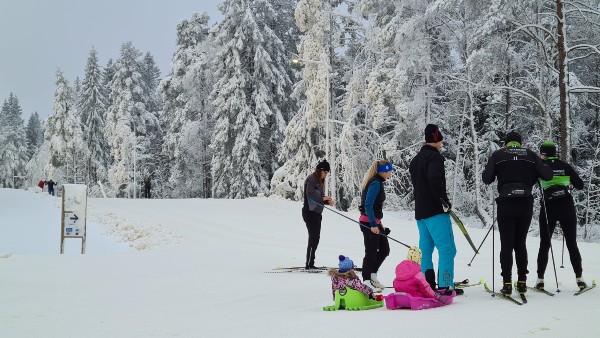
x=436 y=232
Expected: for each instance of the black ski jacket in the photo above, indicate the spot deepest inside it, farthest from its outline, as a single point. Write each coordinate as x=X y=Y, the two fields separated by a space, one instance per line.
x=517 y=170
x=564 y=176
x=428 y=178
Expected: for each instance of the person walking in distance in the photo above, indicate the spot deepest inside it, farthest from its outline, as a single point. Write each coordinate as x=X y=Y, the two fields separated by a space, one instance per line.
x=50 y=185
x=517 y=170
x=559 y=207
x=377 y=247
x=428 y=177
x=147 y=187
x=314 y=199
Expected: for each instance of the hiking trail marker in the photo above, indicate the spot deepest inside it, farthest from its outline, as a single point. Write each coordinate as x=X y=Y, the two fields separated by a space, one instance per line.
x=74 y=212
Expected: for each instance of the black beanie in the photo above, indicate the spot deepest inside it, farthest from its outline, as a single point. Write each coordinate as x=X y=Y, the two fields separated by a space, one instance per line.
x=433 y=134
x=513 y=136
x=323 y=165
x=548 y=149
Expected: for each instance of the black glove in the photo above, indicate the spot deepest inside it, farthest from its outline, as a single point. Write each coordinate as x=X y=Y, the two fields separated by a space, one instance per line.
x=386 y=231
x=326 y=202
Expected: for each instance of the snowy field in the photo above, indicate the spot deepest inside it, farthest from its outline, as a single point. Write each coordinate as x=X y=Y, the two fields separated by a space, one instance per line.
x=196 y=268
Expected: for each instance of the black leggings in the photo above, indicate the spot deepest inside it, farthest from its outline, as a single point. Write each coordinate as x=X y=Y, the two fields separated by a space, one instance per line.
x=313 y=225
x=377 y=248
x=561 y=211
x=514 y=219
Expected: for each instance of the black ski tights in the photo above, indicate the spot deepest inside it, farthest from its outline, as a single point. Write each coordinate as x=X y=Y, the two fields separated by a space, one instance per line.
x=313 y=225
x=514 y=219
x=563 y=212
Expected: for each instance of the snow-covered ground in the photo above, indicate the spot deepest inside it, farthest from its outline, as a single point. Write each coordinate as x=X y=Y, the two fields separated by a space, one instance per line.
x=197 y=268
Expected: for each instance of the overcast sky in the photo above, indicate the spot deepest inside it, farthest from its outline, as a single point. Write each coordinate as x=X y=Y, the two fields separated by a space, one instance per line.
x=36 y=37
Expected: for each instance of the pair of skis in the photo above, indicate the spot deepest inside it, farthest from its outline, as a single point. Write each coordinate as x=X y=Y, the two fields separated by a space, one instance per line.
x=524 y=299
x=318 y=269
x=503 y=296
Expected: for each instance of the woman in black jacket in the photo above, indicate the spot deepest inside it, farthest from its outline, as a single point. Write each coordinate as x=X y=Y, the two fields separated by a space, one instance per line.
x=314 y=191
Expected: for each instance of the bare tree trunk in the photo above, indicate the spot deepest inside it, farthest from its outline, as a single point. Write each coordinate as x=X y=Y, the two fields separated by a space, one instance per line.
x=564 y=123
x=507 y=96
x=476 y=170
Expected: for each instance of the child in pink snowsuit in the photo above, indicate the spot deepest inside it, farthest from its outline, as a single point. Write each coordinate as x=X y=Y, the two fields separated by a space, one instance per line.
x=346 y=277
x=411 y=280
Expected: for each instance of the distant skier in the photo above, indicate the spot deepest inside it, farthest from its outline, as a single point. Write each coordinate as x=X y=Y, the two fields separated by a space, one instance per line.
x=314 y=190
x=346 y=277
x=517 y=170
x=50 y=185
x=147 y=187
x=41 y=184
x=410 y=278
x=559 y=206
x=428 y=177
x=377 y=247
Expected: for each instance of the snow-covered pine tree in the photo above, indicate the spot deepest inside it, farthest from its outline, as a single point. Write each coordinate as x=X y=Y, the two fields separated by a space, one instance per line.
x=35 y=134
x=13 y=143
x=152 y=163
x=185 y=92
x=247 y=96
x=60 y=131
x=93 y=107
x=304 y=136
x=127 y=123
x=107 y=76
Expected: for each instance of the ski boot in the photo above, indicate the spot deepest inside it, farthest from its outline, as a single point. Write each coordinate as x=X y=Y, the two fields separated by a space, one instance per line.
x=506 y=289
x=581 y=284
x=522 y=287
x=449 y=291
x=375 y=283
x=539 y=284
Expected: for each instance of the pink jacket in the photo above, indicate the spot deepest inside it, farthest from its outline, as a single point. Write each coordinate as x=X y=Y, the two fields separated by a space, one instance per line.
x=411 y=280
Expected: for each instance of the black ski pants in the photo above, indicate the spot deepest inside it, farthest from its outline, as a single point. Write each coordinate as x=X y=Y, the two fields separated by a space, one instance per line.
x=561 y=211
x=377 y=248
x=313 y=225
x=514 y=219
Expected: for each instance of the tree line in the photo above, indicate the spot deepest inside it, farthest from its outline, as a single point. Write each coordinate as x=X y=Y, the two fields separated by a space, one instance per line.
x=233 y=118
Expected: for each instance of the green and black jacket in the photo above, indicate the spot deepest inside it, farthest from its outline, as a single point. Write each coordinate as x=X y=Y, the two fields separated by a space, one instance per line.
x=564 y=176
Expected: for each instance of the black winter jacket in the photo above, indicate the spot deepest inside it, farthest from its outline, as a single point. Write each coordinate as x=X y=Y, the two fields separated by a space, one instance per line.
x=517 y=170
x=428 y=178
x=564 y=176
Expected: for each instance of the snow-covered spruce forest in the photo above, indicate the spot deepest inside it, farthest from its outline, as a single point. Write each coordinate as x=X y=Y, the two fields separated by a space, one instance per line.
x=235 y=118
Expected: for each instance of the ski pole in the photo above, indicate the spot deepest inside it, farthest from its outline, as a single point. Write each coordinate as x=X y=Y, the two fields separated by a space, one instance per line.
x=491 y=228
x=494 y=260
x=562 y=260
x=359 y=223
x=459 y=223
x=548 y=233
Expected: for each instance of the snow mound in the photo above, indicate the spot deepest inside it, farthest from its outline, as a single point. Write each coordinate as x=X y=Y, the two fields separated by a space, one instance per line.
x=138 y=236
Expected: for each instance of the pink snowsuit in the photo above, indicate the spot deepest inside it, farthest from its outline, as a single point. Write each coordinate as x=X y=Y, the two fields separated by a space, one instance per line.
x=411 y=280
